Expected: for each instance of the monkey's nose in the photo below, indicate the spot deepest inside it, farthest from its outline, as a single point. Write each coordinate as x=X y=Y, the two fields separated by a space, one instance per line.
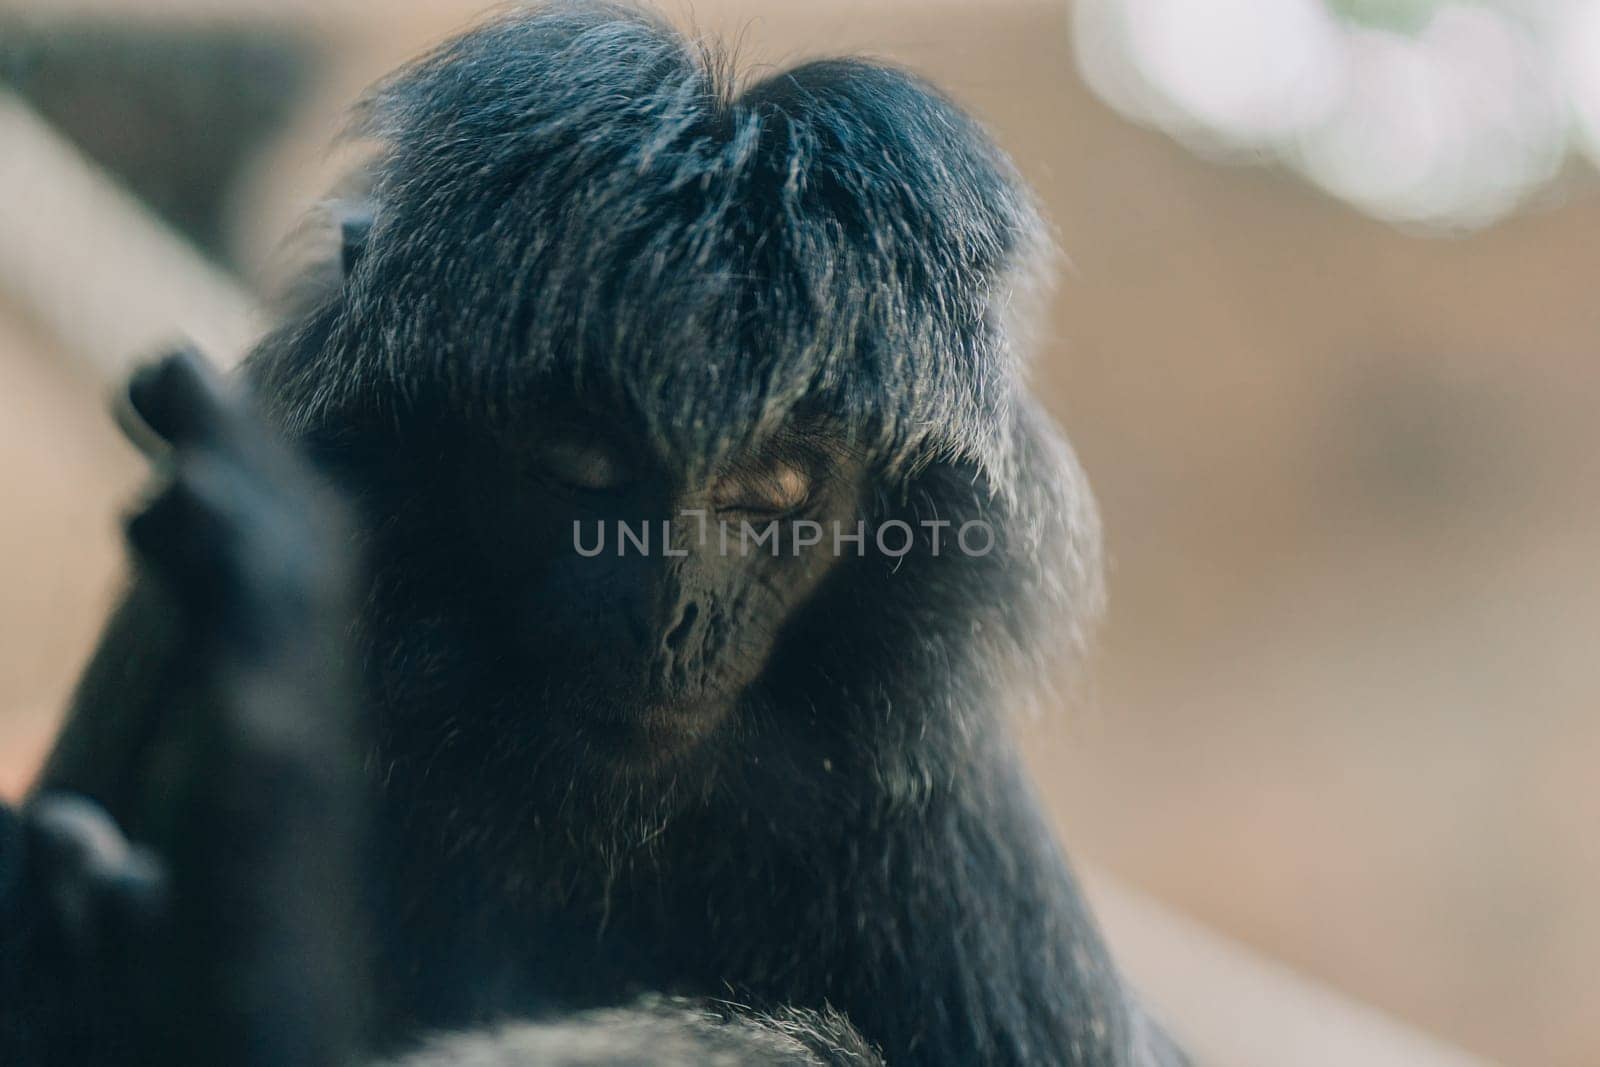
x=677 y=637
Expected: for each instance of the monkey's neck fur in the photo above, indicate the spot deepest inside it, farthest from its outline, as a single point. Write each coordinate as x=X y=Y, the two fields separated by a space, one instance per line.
x=862 y=823
x=956 y=893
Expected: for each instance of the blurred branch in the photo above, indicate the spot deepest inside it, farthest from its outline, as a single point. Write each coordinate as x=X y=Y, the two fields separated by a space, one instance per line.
x=90 y=264
x=1233 y=1008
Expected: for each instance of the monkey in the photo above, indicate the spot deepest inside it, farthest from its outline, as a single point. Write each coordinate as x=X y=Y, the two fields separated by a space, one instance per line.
x=767 y=336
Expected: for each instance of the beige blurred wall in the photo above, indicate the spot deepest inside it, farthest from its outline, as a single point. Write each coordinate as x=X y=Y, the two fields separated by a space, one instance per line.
x=1345 y=704
x=64 y=475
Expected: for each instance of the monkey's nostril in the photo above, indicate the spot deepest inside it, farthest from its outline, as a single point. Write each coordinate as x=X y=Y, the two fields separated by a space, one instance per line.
x=684 y=626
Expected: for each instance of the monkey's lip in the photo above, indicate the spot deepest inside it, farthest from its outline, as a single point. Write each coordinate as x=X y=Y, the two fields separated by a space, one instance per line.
x=661 y=723
x=676 y=714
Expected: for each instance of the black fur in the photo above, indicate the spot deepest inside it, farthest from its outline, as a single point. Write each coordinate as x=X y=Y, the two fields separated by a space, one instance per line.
x=656 y=1032
x=575 y=208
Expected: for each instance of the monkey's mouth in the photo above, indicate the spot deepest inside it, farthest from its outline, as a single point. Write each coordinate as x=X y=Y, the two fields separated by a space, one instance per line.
x=658 y=728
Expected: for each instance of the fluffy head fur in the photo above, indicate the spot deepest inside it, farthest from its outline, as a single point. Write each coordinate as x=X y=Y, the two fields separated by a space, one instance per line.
x=584 y=195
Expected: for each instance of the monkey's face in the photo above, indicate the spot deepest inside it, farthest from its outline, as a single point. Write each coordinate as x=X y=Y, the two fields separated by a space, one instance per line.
x=631 y=602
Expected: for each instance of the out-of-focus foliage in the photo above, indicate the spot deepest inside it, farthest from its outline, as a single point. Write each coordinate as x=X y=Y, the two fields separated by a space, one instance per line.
x=1406 y=15
x=1444 y=112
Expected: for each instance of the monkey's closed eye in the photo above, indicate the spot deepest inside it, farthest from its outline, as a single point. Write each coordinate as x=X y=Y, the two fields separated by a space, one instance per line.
x=772 y=490
x=589 y=465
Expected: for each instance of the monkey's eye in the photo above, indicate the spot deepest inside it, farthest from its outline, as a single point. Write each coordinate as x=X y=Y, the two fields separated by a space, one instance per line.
x=578 y=464
x=771 y=490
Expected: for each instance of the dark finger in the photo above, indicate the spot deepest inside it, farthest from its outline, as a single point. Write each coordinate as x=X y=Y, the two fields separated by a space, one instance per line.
x=180 y=398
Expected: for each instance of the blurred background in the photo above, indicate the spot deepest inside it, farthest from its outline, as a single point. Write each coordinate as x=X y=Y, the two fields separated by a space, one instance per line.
x=1325 y=337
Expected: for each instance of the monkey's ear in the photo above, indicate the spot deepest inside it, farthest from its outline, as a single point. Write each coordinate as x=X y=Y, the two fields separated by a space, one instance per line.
x=355 y=222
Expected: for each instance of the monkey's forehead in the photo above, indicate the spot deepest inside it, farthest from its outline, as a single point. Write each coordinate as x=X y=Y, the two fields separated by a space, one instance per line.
x=579 y=195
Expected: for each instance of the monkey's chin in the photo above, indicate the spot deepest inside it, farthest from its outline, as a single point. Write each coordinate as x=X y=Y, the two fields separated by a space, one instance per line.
x=659 y=734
